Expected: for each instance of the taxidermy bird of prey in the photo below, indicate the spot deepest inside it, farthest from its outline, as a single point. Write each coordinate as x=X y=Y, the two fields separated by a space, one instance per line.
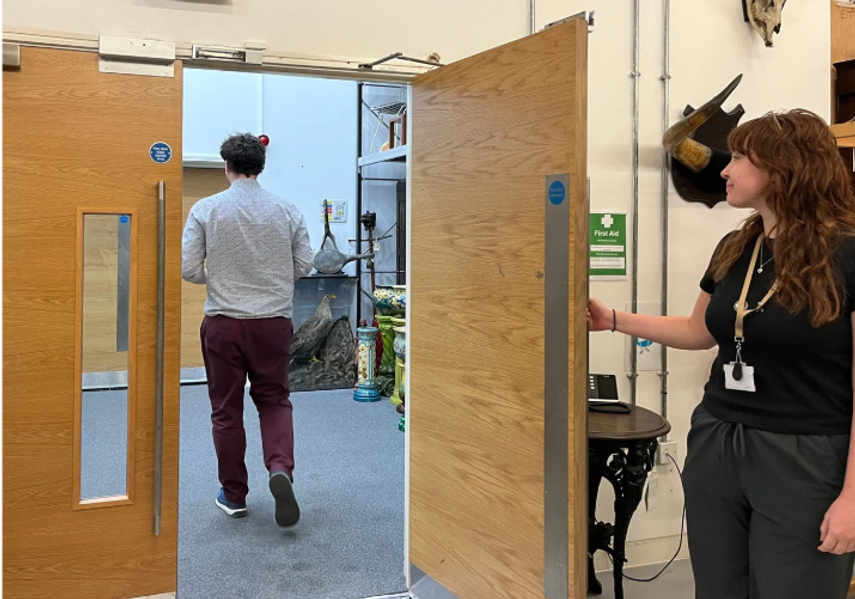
x=309 y=338
x=765 y=17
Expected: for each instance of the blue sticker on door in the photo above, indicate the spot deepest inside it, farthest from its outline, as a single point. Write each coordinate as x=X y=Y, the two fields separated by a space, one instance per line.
x=557 y=192
x=160 y=152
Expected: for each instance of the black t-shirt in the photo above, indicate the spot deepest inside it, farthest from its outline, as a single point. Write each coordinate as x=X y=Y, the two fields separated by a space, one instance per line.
x=803 y=375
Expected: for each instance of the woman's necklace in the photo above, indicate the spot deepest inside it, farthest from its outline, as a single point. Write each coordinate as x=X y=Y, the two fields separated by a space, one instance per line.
x=762 y=264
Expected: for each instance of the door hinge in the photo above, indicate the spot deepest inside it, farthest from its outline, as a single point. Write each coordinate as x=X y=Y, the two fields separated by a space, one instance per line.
x=129 y=56
x=11 y=57
x=251 y=56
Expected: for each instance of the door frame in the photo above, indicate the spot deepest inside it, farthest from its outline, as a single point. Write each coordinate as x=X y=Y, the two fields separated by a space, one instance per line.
x=290 y=63
x=360 y=76
x=313 y=66
x=296 y=65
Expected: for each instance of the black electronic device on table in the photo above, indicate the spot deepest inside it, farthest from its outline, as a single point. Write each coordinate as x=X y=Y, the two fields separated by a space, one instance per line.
x=603 y=394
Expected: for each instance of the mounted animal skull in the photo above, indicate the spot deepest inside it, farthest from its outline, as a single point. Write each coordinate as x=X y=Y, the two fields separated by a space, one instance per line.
x=764 y=16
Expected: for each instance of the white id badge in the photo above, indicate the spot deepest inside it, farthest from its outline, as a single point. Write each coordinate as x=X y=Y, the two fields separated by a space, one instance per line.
x=746 y=383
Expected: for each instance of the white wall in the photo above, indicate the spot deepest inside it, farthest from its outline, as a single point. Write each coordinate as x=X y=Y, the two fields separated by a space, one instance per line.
x=367 y=29
x=312 y=128
x=312 y=151
x=218 y=104
x=710 y=45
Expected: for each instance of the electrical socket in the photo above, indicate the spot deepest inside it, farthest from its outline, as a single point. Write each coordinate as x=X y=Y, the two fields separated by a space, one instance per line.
x=668 y=448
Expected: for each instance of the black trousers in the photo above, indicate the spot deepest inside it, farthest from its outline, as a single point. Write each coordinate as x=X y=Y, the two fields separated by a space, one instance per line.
x=755 y=501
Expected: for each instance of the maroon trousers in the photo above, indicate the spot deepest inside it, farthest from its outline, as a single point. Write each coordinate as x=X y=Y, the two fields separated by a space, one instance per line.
x=261 y=349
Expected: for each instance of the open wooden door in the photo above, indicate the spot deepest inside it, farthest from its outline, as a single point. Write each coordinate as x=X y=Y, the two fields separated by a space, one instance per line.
x=87 y=168
x=497 y=410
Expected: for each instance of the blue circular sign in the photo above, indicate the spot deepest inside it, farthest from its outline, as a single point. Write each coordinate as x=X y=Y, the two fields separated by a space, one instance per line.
x=123 y=219
x=557 y=192
x=160 y=152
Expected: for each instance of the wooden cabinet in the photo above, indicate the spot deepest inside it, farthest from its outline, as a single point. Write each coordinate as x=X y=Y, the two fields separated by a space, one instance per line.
x=842 y=31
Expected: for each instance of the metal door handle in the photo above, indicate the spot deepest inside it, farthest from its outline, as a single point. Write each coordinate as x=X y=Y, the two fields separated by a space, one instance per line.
x=158 y=385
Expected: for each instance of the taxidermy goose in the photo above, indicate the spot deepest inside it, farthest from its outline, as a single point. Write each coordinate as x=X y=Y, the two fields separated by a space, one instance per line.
x=330 y=261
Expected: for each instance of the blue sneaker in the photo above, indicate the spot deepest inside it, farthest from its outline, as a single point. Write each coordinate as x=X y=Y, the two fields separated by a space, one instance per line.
x=287 y=510
x=233 y=510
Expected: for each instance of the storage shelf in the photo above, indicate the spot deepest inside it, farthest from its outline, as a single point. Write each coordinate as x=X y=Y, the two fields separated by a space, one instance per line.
x=398 y=154
x=845 y=134
x=393 y=108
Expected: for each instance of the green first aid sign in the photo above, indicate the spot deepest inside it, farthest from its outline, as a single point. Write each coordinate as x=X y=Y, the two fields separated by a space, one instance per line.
x=608 y=244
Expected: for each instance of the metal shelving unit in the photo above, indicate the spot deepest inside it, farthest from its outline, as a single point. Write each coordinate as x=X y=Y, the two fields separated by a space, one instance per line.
x=375 y=157
x=398 y=154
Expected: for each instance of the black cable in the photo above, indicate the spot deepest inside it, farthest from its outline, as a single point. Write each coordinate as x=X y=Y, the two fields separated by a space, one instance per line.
x=682 y=530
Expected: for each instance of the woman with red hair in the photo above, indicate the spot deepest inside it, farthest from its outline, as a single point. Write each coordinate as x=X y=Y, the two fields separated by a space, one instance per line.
x=770 y=471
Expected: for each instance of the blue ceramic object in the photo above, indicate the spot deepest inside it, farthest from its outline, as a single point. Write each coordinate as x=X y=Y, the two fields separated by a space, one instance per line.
x=366 y=389
x=391 y=300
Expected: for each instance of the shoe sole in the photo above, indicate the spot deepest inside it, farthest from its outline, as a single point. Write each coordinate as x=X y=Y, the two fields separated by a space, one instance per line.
x=230 y=512
x=287 y=510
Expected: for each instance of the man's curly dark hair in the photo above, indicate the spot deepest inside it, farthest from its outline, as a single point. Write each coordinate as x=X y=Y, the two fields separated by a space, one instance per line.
x=244 y=153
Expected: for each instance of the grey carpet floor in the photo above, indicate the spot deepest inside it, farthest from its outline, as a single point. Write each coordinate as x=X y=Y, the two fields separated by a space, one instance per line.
x=677 y=582
x=104 y=451
x=349 y=481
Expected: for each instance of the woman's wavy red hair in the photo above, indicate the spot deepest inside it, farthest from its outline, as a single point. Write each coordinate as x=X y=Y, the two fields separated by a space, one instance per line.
x=810 y=194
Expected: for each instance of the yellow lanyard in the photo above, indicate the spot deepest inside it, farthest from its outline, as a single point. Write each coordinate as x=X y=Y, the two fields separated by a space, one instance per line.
x=741 y=311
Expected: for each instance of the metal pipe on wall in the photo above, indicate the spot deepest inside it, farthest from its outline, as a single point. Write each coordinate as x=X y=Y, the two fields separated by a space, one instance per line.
x=531 y=15
x=636 y=75
x=358 y=267
x=666 y=171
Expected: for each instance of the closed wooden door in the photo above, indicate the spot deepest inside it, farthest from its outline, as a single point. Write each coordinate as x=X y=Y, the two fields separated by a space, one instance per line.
x=498 y=339
x=81 y=191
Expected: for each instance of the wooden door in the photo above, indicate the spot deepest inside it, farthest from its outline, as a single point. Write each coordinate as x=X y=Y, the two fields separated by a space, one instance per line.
x=497 y=409
x=77 y=170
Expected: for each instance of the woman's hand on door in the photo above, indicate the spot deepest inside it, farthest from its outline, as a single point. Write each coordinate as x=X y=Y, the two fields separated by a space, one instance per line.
x=600 y=317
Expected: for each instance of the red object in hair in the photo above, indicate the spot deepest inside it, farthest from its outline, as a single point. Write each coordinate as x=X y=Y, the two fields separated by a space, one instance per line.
x=264 y=139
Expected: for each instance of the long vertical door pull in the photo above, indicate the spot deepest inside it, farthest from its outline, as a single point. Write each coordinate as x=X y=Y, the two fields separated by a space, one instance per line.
x=158 y=388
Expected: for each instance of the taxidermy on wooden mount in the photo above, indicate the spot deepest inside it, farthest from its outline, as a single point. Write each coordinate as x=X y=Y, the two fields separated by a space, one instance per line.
x=764 y=16
x=691 y=142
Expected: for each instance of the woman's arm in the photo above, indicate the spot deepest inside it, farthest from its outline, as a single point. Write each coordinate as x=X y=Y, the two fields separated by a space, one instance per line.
x=679 y=332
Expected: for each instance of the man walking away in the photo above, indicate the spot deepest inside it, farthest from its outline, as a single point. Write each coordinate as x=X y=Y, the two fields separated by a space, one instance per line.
x=249 y=247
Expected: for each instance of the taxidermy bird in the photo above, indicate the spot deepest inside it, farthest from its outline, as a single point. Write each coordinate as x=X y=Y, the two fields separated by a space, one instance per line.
x=309 y=337
x=764 y=16
x=330 y=261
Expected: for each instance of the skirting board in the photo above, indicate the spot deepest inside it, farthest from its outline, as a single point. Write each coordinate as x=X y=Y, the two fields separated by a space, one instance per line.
x=161 y=596
x=645 y=553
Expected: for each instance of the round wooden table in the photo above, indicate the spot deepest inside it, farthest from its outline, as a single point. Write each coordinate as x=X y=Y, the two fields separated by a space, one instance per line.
x=621 y=449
